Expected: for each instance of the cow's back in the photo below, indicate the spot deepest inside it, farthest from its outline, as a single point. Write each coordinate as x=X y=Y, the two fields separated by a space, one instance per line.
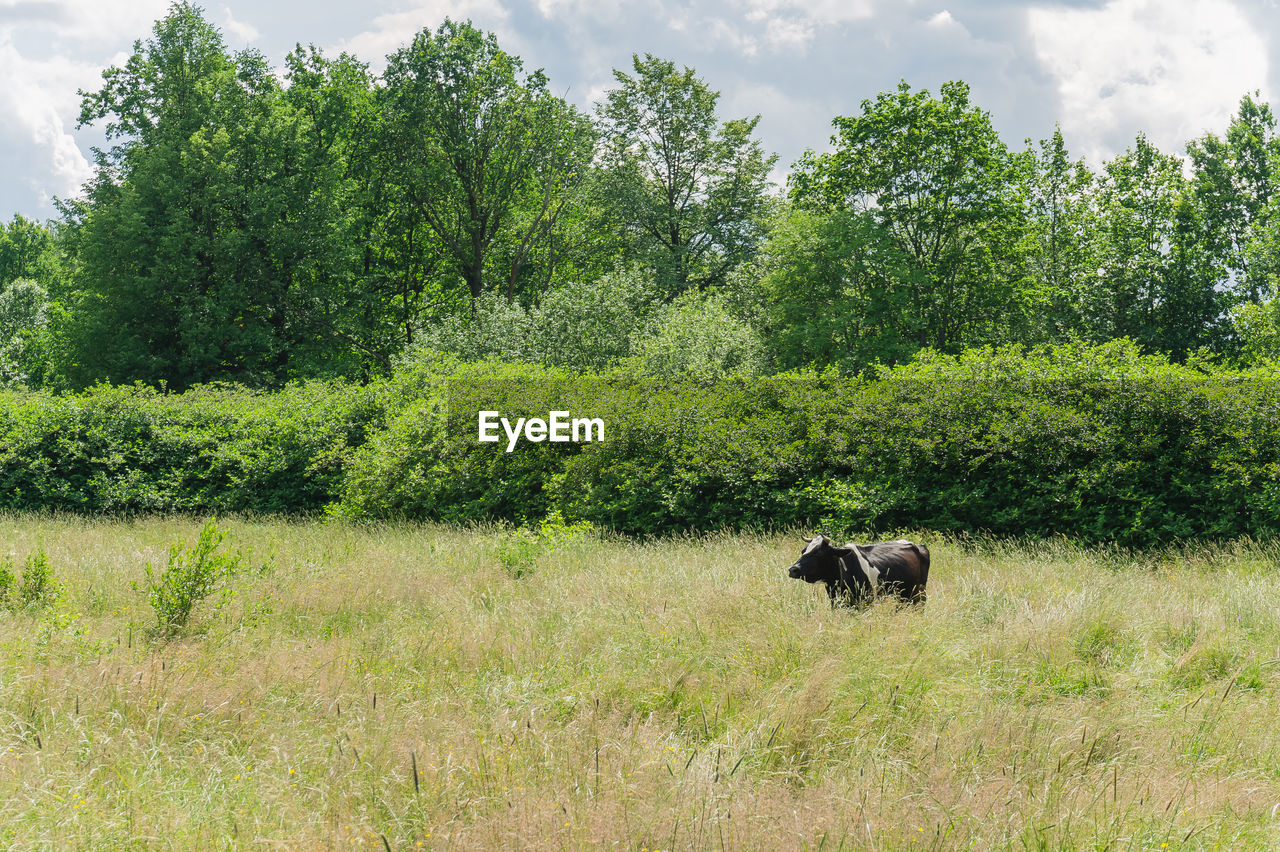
x=903 y=566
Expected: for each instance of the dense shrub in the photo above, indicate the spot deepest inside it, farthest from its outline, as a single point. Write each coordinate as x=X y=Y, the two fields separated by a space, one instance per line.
x=37 y=587
x=1097 y=443
x=698 y=338
x=427 y=462
x=214 y=448
x=584 y=326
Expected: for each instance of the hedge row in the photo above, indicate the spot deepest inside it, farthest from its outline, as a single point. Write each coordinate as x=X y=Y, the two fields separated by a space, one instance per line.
x=130 y=449
x=1096 y=443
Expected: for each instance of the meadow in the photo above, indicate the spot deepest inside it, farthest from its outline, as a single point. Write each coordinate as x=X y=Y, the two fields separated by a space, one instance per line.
x=386 y=686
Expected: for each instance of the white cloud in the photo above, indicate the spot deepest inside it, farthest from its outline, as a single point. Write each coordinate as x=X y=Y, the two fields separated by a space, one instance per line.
x=37 y=109
x=394 y=30
x=789 y=26
x=48 y=50
x=96 y=22
x=245 y=32
x=815 y=11
x=943 y=19
x=1172 y=70
x=720 y=31
x=742 y=26
x=788 y=34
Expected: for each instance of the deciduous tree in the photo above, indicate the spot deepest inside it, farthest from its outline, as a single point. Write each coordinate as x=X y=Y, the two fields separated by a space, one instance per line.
x=479 y=149
x=690 y=191
x=933 y=173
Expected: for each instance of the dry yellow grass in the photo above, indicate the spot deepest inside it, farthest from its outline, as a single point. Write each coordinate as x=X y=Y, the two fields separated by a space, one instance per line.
x=670 y=695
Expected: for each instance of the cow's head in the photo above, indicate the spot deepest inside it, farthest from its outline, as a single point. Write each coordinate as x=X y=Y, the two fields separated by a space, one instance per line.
x=819 y=562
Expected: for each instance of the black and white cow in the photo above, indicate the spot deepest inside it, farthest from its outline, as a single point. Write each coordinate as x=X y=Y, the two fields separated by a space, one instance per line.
x=857 y=573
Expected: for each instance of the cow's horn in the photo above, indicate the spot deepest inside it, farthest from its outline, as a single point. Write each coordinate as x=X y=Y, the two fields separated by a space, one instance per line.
x=806 y=539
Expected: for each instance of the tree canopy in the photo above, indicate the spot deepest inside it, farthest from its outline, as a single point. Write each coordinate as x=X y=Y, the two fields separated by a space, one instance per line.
x=260 y=225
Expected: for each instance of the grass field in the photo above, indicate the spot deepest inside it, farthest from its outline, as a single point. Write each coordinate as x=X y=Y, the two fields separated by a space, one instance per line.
x=412 y=687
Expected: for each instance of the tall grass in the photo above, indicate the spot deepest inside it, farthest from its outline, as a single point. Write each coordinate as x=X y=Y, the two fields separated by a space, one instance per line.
x=402 y=682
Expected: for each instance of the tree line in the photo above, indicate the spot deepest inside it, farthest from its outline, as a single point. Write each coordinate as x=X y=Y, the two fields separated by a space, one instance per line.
x=252 y=225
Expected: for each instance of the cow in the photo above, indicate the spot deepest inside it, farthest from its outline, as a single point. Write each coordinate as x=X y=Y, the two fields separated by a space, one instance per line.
x=857 y=573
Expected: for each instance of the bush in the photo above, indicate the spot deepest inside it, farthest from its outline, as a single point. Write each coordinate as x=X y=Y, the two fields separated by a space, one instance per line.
x=7 y=580
x=36 y=588
x=214 y=448
x=697 y=338
x=1096 y=443
x=190 y=576
x=580 y=326
x=24 y=308
x=1257 y=327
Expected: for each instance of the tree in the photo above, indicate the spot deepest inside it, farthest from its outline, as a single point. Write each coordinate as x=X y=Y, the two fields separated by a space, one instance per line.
x=1231 y=185
x=935 y=176
x=1257 y=325
x=696 y=337
x=1156 y=268
x=353 y=282
x=839 y=291
x=23 y=318
x=587 y=325
x=690 y=192
x=479 y=150
x=222 y=235
x=1060 y=238
x=171 y=267
x=27 y=250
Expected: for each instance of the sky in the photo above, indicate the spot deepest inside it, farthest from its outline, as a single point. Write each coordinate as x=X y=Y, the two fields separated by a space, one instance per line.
x=1104 y=70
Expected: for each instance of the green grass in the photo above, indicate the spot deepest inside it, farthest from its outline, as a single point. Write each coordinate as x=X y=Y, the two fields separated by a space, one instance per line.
x=574 y=692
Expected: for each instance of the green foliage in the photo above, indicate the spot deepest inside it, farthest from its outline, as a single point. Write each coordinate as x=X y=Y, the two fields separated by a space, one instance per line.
x=481 y=150
x=261 y=226
x=593 y=325
x=584 y=326
x=428 y=462
x=191 y=575
x=171 y=289
x=935 y=176
x=697 y=338
x=1061 y=241
x=1156 y=281
x=7 y=580
x=24 y=307
x=1257 y=327
x=838 y=292
x=1232 y=186
x=234 y=230
x=518 y=550
x=35 y=589
x=38 y=587
x=495 y=327
x=27 y=251
x=689 y=191
x=215 y=448
x=1100 y=443
x=1096 y=443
